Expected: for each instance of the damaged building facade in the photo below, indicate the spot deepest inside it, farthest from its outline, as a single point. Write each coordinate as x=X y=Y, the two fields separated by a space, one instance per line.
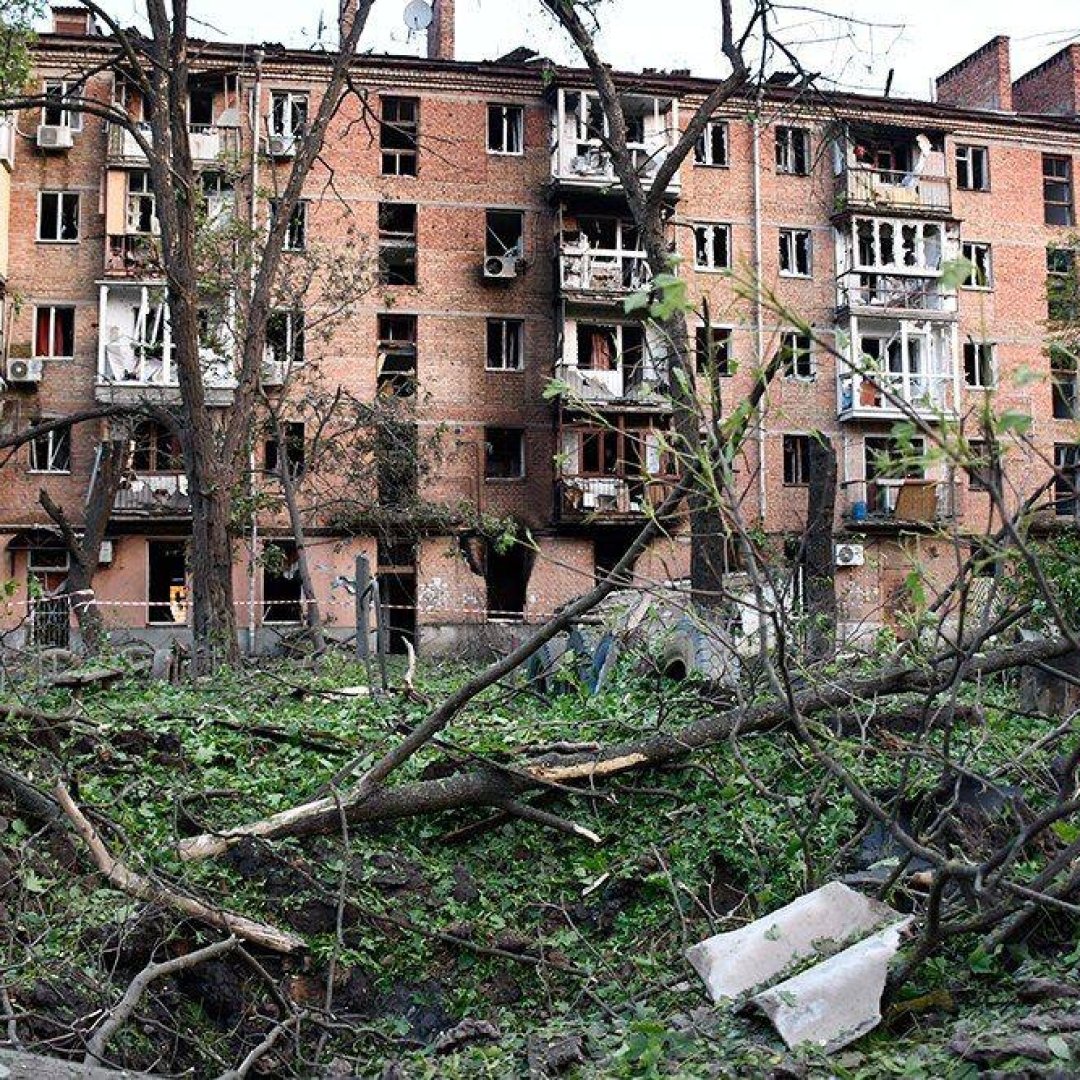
x=499 y=252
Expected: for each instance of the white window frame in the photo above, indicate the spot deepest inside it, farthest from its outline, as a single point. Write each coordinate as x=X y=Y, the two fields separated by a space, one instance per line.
x=786 y=137
x=801 y=458
x=53 y=309
x=506 y=325
x=789 y=248
x=512 y=120
x=709 y=228
x=966 y=154
x=290 y=99
x=55 y=441
x=704 y=148
x=295 y=342
x=985 y=355
x=61 y=196
x=967 y=251
x=795 y=354
x=71 y=119
x=300 y=209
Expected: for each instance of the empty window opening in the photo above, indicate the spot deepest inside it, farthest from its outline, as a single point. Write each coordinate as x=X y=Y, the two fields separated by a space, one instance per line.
x=397 y=463
x=285 y=336
x=51 y=452
x=1063 y=383
x=504 y=453
x=201 y=107
x=712 y=247
x=711 y=147
x=981 y=467
x=1062 y=285
x=141 y=204
x=797 y=460
x=281 y=586
x=979 y=271
x=609 y=546
x=506 y=574
x=1066 y=468
x=54 y=331
x=795 y=252
x=888 y=462
x=397 y=243
x=167 y=582
x=980 y=368
x=506 y=129
x=293 y=430
x=397 y=594
x=396 y=360
x=504 y=345
x=399 y=128
x=792 y=151
x=155 y=448
x=56 y=112
x=58 y=216
x=973 y=168
x=504 y=234
x=713 y=349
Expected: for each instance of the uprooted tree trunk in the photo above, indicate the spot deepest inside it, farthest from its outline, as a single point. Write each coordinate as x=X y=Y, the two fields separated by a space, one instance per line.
x=85 y=550
x=819 y=563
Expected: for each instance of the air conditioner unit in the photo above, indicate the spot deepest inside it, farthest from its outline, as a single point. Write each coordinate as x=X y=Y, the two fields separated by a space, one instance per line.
x=54 y=137
x=282 y=146
x=155 y=226
x=850 y=554
x=274 y=372
x=580 y=164
x=24 y=370
x=106 y=553
x=501 y=267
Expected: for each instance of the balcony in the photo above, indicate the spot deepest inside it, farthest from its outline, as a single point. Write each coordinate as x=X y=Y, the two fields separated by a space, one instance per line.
x=157 y=495
x=132 y=255
x=881 y=502
x=604 y=275
x=893 y=294
x=863 y=187
x=208 y=143
x=579 y=156
x=610 y=499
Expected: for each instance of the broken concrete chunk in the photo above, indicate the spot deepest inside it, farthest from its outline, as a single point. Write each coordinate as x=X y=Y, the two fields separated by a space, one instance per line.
x=836 y=1001
x=816 y=924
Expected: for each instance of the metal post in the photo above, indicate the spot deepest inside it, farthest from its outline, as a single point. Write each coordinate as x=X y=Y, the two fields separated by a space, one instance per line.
x=363 y=599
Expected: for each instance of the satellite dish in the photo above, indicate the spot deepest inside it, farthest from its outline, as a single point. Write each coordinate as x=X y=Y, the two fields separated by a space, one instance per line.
x=418 y=15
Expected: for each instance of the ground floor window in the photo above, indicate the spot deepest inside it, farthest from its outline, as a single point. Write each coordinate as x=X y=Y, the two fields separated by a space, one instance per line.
x=282 y=597
x=167 y=581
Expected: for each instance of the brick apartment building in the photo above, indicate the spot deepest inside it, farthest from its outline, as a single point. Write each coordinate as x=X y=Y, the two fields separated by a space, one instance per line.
x=504 y=252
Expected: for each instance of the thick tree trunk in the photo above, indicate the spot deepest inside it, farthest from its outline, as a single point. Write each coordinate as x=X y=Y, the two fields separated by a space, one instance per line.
x=819 y=563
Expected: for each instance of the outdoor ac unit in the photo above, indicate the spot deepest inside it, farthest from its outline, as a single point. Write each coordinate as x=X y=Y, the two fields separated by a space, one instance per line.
x=282 y=146
x=580 y=164
x=105 y=553
x=24 y=370
x=274 y=372
x=850 y=554
x=54 y=137
x=501 y=267
x=155 y=226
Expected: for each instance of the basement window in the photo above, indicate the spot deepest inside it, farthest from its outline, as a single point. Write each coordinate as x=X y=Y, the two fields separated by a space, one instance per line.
x=504 y=344
x=397 y=243
x=281 y=588
x=973 y=168
x=399 y=127
x=506 y=129
x=980 y=368
x=795 y=252
x=54 y=332
x=504 y=453
x=979 y=274
x=711 y=147
x=1057 y=190
x=713 y=349
x=793 y=151
x=51 y=452
x=796 y=460
x=58 y=216
x=712 y=247
x=396 y=363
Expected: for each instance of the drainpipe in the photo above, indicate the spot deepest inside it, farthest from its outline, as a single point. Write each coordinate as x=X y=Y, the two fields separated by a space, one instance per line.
x=759 y=307
x=253 y=221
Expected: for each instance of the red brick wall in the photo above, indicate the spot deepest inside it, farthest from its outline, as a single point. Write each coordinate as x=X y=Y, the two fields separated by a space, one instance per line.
x=1053 y=87
x=981 y=80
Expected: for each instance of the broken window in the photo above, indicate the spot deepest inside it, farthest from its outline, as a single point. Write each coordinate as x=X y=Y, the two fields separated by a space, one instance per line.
x=793 y=151
x=980 y=369
x=888 y=461
x=973 y=168
x=712 y=247
x=58 y=216
x=796 y=353
x=396 y=365
x=397 y=453
x=713 y=349
x=599 y=452
x=294 y=447
x=795 y=252
x=201 y=107
x=506 y=575
x=1057 y=190
x=398 y=135
x=56 y=112
x=711 y=147
x=51 y=452
x=796 y=460
x=397 y=243
x=285 y=336
x=980 y=466
x=141 y=204
x=597 y=348
x=288 y=114
x=504 y=453
x=54 y=331
x=979 y=274
x=506 y=129
x=1066 y=466
x=1063 y=383
x=295 y=238
x=167 y=581
x=504 y=234
x=155 y=448
x=1062 y=285
x=504 y=345
x=281 y=587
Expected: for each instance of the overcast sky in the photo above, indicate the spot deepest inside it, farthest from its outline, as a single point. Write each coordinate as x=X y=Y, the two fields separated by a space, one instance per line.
x=917 y=38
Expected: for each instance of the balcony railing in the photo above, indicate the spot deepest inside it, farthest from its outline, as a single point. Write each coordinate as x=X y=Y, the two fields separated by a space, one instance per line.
x=154 y=494
x=598 y=387
x=869 y=188
x=602 y=270
x=870 y=396
x=912 y=501
x=600 y=497
x=882 y=292
x=208 y=142
x=133 y=255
